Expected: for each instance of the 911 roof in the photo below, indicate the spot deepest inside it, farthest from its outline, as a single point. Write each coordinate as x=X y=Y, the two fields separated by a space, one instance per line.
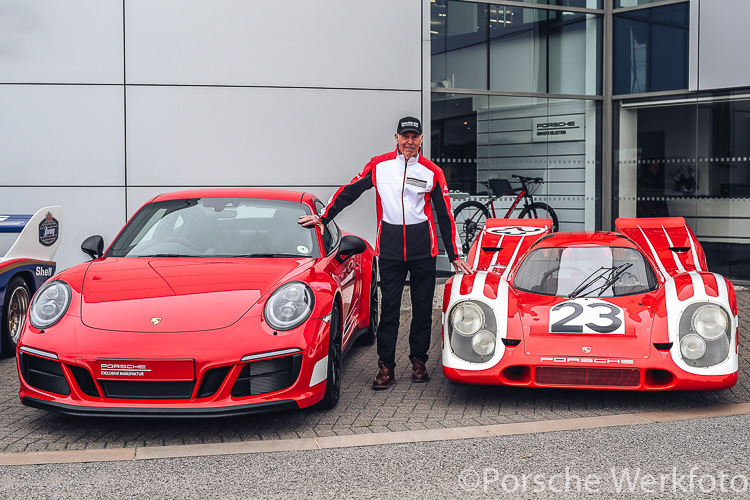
x=269 y=194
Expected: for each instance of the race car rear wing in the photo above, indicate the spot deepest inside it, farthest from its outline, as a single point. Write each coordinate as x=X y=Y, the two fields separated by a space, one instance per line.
x=669 y=242
x=40 y=234
x=503 y=241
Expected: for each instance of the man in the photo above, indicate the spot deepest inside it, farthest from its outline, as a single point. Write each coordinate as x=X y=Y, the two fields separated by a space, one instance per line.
x=405 y=183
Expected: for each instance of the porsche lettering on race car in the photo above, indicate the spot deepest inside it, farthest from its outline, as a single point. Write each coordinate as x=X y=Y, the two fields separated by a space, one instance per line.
x=599 y=361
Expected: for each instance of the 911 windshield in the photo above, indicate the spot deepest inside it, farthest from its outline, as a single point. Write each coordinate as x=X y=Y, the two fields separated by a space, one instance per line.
x=564 y=272
x=217 y=227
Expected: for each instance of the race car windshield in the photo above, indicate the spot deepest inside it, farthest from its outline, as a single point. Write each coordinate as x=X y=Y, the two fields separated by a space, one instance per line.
x=217 y=227
x=573 y=271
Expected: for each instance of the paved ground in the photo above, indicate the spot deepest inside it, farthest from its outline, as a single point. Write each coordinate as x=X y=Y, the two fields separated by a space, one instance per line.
x=692 y=459
x=437 y=404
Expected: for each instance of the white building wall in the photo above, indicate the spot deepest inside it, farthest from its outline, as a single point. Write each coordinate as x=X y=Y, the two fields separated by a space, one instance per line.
x=105 y=103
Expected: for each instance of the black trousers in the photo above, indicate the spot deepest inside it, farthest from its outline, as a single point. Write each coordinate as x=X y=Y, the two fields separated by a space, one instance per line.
x=422 y=286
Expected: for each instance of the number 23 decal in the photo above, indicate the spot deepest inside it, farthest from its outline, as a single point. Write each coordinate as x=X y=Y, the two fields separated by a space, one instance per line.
x=588 y=317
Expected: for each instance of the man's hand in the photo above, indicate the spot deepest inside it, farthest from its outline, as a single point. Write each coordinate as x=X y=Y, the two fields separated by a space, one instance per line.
x=309 y=221
x=461 y=266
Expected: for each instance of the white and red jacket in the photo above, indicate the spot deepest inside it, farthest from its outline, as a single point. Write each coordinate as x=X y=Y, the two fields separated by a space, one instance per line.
x=406 y=231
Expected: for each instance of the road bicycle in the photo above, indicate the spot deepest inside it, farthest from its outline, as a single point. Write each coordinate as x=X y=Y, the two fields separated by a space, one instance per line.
x=471 y=215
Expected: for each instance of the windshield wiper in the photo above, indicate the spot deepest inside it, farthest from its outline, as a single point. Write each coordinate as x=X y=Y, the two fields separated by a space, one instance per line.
x=614 y=274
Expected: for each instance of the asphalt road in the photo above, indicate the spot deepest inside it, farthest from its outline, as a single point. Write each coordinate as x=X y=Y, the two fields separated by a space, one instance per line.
x=705 y=458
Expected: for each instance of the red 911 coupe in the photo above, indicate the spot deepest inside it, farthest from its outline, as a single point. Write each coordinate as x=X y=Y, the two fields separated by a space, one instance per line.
x=208 y=303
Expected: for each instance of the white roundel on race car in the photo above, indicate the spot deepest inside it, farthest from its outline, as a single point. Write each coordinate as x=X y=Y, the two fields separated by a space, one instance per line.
x=586 y=316
x=516 y=230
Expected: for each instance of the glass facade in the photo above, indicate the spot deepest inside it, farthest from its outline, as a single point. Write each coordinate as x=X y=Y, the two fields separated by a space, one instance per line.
x=549 y=125
x=689 y=157
x=651 y=49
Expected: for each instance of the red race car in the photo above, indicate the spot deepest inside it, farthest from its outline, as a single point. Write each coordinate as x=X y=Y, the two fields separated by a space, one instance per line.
x=634 y=309
x=208 y=303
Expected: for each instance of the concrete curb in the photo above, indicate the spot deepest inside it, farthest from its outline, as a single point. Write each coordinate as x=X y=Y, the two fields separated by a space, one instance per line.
x=384 y=438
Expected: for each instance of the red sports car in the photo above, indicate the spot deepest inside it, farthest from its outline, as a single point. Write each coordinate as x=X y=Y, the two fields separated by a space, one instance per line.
x=633 y=309
x=208 y=303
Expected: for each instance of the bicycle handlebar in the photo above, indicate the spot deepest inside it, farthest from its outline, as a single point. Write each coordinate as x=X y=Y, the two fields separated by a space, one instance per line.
x=528 y=179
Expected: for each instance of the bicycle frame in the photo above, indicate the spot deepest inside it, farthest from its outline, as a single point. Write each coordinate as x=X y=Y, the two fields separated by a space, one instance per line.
x=522 y=193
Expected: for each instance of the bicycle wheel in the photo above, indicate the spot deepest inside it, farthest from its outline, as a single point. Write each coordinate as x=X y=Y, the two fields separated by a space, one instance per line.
x=470 y=219
x=539 y=210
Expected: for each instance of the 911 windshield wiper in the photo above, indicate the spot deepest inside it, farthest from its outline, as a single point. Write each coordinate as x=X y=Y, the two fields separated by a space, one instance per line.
x=613 y=274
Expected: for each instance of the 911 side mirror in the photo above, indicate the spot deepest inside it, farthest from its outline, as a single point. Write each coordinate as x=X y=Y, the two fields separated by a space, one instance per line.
x=350 y=245
x=93 y=246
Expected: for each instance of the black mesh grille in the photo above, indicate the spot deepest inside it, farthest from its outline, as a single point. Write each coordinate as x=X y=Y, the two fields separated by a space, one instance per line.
x=270 y=375
x=84 y=380
x=557 y=375
x=44 y=374
x=212 y=381
x=127 y=389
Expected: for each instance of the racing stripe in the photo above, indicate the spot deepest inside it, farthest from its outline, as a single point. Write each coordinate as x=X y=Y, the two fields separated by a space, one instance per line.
x=513 y=258
x=678 y=263
x=663 y=271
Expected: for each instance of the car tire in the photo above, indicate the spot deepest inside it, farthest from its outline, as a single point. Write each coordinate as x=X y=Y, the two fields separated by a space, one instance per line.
x=368 y=337
x=333 y=380
x=17 y=298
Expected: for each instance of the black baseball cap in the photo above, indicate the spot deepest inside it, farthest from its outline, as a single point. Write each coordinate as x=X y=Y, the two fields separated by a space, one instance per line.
x=409 y=124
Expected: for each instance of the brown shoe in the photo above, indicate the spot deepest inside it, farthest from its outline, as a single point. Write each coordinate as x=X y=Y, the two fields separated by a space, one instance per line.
x=419 y=371
x=384 y=378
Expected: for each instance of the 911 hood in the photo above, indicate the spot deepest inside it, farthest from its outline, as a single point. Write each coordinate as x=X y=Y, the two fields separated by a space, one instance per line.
x=142 y=294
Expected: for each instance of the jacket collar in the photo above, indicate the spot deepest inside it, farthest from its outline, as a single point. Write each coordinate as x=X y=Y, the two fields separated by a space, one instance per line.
x=412 y=161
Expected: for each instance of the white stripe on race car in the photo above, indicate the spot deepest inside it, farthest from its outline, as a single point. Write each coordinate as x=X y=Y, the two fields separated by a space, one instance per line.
x=677 y=262
x=695 y=254
x=663 y=271
x=496 y=253
x=512 y=259
x=479 y=249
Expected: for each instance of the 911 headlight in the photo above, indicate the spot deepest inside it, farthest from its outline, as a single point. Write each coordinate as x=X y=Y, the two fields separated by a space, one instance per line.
x=289 y=306
x=472 y=331
x=50 y=304
x=705 y=336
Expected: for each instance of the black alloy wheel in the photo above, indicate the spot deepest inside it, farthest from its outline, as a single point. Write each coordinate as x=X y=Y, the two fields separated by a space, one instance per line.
x=333 y=380
x=368 y=337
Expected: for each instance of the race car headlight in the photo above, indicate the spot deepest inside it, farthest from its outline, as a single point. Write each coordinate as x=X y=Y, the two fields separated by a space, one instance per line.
x=709 y=321
x=692 y=346
x=471 y=330
x=705 y=336
x=483 y=343
x=467 y=318
x=289 y=306
x=49 y=304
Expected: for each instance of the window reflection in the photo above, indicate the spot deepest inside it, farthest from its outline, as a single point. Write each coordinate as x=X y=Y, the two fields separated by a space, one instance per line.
x=690 y=159
x=651 y=49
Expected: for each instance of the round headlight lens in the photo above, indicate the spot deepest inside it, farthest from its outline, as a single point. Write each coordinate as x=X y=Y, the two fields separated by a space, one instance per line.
x=467 y=318
x=710 y=321
x=692 y=346
x=483 y=343
x=289 y=306
x=49 y=304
